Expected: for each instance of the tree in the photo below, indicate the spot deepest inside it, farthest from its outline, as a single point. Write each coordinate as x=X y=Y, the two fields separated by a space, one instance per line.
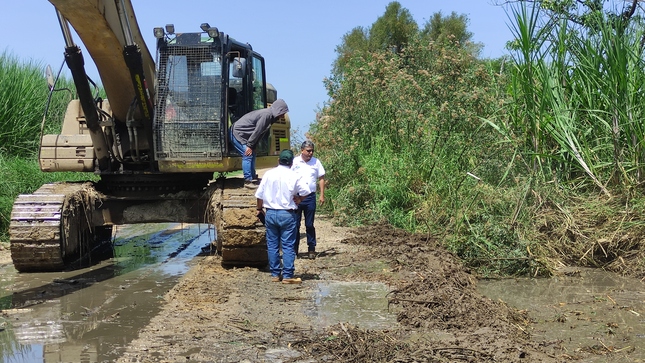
x=585 y=13
x=354 y=41
x=393 y=30
x=451 y=30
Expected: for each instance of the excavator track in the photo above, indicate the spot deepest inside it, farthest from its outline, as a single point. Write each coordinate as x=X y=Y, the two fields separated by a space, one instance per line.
x=241 y=239
x=52 y=229
x=51 y=226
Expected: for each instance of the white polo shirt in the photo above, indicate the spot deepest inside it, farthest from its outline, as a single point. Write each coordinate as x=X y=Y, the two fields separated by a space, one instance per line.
x=311 y=171
x=278 y=187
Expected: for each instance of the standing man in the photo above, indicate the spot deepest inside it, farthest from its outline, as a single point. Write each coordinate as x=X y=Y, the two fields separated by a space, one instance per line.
x=278 y=193
x=247 y=132
x=312 y=171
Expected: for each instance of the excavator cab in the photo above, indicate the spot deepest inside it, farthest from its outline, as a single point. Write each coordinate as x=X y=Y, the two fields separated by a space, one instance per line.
x=205 y=82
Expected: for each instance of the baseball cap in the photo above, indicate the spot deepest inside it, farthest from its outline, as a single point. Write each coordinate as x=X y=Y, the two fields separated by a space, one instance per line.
x=286 y=157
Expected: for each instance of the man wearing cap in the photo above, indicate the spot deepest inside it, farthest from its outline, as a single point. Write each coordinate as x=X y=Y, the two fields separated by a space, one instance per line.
x=247 y=132
x=278 y=193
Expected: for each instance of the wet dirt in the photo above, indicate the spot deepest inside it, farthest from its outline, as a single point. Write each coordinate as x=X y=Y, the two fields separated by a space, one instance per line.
x=424 y=306
x=238 y=315
x=90 y=314
x=582 y=310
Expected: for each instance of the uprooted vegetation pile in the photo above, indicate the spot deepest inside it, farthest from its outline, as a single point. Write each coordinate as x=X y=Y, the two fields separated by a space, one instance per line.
x=443 y=317
x=606 y=233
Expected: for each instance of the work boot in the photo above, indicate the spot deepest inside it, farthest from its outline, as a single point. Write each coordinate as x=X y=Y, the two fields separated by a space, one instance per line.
x=250 y=184
x=292 y=280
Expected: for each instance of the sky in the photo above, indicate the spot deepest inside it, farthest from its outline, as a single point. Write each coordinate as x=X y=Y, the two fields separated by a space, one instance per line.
x=297 y=38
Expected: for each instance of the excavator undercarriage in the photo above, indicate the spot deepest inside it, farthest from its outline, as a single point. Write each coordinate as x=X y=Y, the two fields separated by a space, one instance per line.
x=62 y=224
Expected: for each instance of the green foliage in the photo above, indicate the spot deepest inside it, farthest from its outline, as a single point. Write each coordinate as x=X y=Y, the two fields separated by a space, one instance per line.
x=23 y=92
x=449 y=30
x=23 y=101
x=501 y=159
x=587 y=13
x=390 y=32
x=577 y=98
x=489 y=231
x=401 y=130
x=407 y=140
x=393 y=30
x=353 y=42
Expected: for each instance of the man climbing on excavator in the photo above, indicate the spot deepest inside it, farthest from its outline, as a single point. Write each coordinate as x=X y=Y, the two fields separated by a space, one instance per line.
x=249 y=130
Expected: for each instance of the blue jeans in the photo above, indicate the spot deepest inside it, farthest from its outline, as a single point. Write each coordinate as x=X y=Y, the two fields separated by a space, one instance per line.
x=281 y=232
x=248 y=162
x=307 y=207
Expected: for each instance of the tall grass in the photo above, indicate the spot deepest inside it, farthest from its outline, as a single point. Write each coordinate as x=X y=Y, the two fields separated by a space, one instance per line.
x=576 y=121
x=578 y=98
x=24 y=96
x=23 y=91
x=21 y=175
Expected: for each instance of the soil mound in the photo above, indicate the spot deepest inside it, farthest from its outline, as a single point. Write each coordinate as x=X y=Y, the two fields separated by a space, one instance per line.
x=443 y=318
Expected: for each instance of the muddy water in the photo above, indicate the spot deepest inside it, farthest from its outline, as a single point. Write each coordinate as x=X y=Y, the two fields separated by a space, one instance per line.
x=90 y=315
x=591 y=311
x=360 y=303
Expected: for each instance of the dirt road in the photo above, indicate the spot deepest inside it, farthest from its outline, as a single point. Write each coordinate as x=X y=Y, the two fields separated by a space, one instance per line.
x=239 y=315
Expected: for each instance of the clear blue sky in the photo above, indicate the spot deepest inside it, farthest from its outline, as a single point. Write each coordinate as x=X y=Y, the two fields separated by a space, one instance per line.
x=297 y=38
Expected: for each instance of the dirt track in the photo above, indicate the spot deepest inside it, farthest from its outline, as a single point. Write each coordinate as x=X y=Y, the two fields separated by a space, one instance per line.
x=238 y=315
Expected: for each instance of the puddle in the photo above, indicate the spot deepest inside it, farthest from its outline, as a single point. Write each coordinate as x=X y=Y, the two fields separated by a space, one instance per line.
x=593 y=309
x=358 y=303
x=90 y=315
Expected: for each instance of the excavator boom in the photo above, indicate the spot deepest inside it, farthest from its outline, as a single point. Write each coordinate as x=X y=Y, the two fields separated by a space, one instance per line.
x=98 y=23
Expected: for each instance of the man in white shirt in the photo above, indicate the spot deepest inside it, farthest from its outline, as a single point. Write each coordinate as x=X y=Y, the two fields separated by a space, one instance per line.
x=312 y=170
x=279 y=193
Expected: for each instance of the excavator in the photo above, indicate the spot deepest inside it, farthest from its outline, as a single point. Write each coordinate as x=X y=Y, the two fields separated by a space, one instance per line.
x=158 y=142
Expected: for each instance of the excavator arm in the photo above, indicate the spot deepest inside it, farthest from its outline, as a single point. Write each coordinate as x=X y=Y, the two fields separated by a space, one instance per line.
x=100 y=25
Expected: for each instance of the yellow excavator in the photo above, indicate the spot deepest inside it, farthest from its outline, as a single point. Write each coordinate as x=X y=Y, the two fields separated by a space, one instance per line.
x=156 y=142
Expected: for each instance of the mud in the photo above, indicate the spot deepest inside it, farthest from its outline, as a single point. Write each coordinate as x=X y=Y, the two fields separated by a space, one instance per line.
x=432 y=311
x=584 y=310
x=238 y=315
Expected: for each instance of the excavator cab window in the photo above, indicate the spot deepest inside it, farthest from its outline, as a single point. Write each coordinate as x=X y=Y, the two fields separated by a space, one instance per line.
x=232 y=105
x=247 y=87
x=211 y=69
x=259 y=85
x=239 y=67
x=189 y=122
x=236 y=84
